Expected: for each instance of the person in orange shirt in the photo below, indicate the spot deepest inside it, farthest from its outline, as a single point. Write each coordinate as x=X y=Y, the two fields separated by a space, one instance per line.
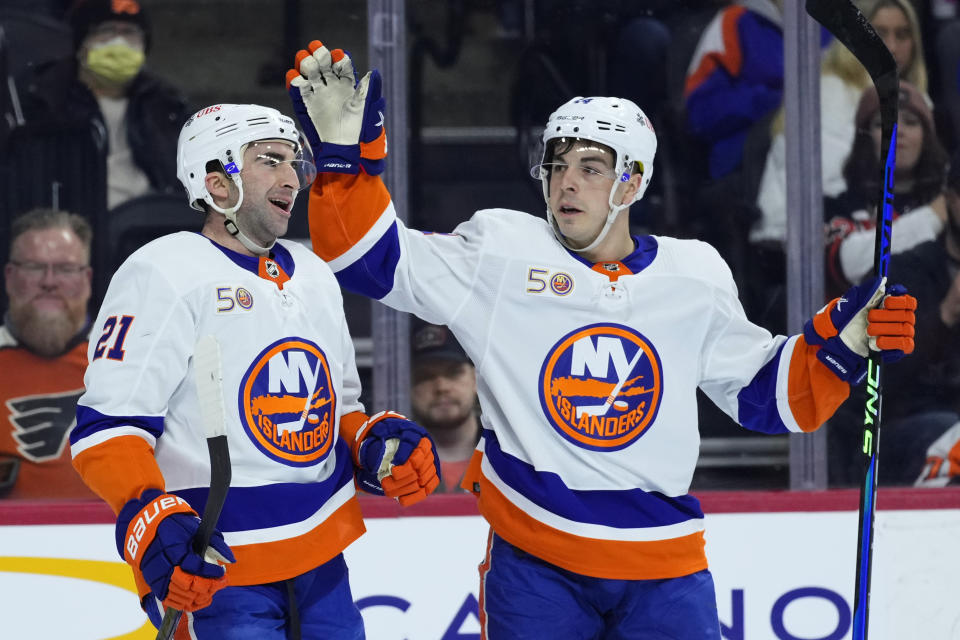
x=43 y=353
x=444 y=399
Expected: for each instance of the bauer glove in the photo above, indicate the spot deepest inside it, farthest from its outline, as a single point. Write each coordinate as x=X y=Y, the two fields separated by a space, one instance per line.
x=340 y=117
x=849 y=326
x=155 y=536
x=396 y=458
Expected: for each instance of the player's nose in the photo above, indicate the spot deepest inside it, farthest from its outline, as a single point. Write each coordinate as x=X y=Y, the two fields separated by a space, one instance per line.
x=287 y=177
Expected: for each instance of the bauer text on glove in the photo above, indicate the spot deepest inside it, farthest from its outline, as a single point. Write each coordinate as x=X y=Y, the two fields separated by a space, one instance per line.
x=155 y=535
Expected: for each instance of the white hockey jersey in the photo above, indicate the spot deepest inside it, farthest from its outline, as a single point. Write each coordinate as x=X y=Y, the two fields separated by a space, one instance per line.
x=587 y=374
x=289 y=378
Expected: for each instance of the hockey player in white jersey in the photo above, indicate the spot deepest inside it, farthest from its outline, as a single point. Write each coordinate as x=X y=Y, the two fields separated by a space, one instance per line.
x=589 y=346
x=298 y=435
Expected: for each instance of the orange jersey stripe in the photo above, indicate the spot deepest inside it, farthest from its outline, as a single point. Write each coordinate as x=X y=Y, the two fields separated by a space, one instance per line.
x=261 y=563
x=119 y=470
x=349 y=425
x=614 y=559
x=813 y=391
x=258 y=563
x=343 y=208
x=484 y=570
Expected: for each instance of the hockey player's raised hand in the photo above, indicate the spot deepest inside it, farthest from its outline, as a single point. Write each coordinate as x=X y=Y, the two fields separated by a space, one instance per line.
x=155 y=535
x=863 y=318
x=340 y=117
x=396 y=458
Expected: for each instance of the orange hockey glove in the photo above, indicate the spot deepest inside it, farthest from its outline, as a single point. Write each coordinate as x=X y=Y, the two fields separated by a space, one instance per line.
x=891 y=327
x=155 y=536
x=864 y=318
x=396 y=458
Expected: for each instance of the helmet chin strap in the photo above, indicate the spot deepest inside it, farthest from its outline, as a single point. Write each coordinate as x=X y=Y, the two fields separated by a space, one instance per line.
x=615 y=210
x=230 y=213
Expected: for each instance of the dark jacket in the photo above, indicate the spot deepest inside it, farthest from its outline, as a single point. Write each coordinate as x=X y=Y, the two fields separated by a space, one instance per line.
x=929 y=379
x=155 y=113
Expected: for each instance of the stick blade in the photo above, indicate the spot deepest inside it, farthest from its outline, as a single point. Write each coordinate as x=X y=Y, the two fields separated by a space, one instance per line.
x=851 y=27
x=209 y=381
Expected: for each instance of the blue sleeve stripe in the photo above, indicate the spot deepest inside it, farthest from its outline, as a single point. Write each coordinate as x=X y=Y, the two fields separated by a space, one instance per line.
x=274 y=505
x=623 y=508
x=372 y=275
x=91 y=421
x=757 y=402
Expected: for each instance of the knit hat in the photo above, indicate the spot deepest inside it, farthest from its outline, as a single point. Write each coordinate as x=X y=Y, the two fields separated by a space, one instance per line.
x=87 y=14
x=910 y=98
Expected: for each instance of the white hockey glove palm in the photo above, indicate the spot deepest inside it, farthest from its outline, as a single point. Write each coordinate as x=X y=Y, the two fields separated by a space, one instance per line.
x=340 y=117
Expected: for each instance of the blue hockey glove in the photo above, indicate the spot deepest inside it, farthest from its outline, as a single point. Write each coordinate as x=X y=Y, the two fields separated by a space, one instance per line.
x=340 y=117
x=155 y=536
x=849 y=326
x=397 y=458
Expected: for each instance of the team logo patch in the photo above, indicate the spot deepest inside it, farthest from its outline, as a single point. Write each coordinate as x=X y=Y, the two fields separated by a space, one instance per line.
x=244 y=298
x=601 y=385
x=561 y=284
x=287 y=404
x=42 y=423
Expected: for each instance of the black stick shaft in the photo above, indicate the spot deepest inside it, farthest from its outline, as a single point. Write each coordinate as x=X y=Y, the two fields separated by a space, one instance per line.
x=849 y=26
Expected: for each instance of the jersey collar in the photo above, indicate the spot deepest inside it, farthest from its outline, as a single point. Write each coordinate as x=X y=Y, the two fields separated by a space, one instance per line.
x=644 y=251
x=258 y=265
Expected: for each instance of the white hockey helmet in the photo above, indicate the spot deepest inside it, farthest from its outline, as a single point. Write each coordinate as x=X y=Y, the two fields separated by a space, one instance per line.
x=221 y=133
x=615 y=122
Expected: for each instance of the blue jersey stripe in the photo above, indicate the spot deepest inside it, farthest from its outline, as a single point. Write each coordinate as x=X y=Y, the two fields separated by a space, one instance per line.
x=91 y=421
x=274 y=505
x=757 y=402
x=626 y=508
x=372 y=274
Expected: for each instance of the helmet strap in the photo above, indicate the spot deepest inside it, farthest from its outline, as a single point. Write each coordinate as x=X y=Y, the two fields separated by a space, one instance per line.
x=615 y=209
x=230 y=224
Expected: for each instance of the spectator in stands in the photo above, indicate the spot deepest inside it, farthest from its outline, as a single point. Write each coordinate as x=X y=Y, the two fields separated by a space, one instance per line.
x=897 y=24
x=43 y=352
x=943 y=461
x=842 y=81
x=735 y=79
x=919 y=207
x=107 y=82
x=444 y=398
x=921 y=399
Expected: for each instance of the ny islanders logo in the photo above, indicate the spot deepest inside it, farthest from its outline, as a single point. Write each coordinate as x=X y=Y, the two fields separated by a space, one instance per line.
x=601 y=385
x=287 y=405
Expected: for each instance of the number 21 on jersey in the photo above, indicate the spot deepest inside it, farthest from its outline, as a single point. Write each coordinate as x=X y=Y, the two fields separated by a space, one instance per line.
x=116 y=351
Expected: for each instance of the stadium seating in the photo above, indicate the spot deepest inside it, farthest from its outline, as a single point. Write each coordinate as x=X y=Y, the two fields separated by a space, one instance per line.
x=134 y=223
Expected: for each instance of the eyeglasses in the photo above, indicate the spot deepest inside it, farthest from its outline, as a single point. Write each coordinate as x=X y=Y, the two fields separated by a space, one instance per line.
x=62 y=270
x=588 y=172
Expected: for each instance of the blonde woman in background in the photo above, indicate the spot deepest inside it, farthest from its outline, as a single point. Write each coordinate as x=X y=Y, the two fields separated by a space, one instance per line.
x=842 y=80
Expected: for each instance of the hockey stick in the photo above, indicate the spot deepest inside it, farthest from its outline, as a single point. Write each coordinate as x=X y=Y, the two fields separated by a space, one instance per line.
x=602 y=409
x=206 y=366
x=850 y=27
